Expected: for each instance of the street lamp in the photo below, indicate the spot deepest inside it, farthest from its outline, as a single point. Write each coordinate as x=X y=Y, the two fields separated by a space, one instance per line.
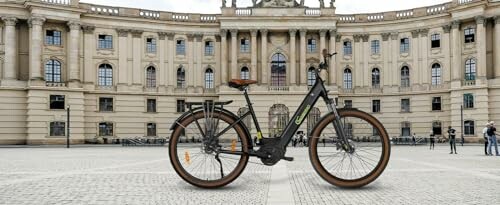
x=68 y=108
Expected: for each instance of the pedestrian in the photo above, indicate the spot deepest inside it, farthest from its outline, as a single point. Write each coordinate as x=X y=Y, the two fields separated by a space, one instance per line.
x=493 y=138
x=255 y=141
x=451 y=137
x=431 y=139
x=301 y=138
x=414 y=139
x=324 y=142
x=305 y=141
x=486 y=137
x=294 y=140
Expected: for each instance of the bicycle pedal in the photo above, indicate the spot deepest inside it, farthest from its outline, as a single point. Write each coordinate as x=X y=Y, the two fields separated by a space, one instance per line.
x=288 y=159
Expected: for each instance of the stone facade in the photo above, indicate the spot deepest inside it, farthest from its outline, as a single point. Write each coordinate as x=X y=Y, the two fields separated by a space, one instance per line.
x=87 y=52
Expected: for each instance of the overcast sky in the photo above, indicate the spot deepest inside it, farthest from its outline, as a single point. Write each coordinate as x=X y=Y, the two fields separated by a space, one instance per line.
x=213 y=6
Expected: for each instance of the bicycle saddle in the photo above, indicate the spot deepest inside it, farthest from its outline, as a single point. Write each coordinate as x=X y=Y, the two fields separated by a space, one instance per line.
x=240 y=84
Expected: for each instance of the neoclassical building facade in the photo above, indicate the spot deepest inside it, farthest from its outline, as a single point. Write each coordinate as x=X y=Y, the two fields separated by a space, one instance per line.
x=127 y=72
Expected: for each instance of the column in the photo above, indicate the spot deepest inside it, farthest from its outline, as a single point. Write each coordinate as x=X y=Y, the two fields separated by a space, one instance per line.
x=322 y=46
x=496 y=47
x=481 y=47
x=385 y=51
x=36 y=43
x=303 y=69
x=172 y=68
x=162 y=67
x=332 y=70
x=234 y=53
x=446 y=68
x=88 y=48
x=9 y=67
x=456 y=55
x=137 y=69
x=293 y=60
x=424 y=54
x=396 y=72
x=73 y=49
x=223 y=41
x=200 y=74
x=264 y=69
x=358 y=69
x=367 y=71
x=253 y=63
x=415 y=55
x=122 y=56
x=190 y=70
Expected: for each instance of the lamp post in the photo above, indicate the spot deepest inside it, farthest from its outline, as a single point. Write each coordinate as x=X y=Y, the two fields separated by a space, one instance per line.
x=462 y=123
x=67 y=126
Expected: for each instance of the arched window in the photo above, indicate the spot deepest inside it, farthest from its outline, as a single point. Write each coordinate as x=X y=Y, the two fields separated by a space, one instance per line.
x=247 y=120
x=375 y=78
x=347 y=79
x=470 y=69
x=278 y=70
x=181 y=77
x=151 y=77
x=312 y=119
x=53 y=71
x=105 y=75
x=245 y=73
x=405 y=76
x=311 y=77
x=278 y=119
x=209 y=78
x=436 y=74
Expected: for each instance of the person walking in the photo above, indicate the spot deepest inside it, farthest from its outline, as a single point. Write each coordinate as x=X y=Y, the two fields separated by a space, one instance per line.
x=431 y=139
x=414 y=139
x=486 y=137
x=493 y=138
x=451 y=136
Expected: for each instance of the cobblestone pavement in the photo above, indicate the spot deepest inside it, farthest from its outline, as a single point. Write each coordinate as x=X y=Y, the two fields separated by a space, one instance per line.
x=131 y=175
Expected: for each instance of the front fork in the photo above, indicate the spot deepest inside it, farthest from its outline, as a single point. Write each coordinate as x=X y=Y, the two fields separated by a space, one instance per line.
x=339 y=128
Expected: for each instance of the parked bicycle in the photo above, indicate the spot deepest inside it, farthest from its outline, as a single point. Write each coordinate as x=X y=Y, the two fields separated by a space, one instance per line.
x=227 y=145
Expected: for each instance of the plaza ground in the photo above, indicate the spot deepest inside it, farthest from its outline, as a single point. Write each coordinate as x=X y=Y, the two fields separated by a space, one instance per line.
x=143 y=175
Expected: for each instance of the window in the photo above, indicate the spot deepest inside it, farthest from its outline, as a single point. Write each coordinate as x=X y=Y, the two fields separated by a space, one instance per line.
x=151 y=77
x=347 y=48
x=105 y=42
x=181 y=77
x=151 y=105
x=435 y=40
x=469 y=35
x=376 y=106
x=209 y=78
x=375 y=78
x=278 y=70
x=57 y=129
x=106 y=104
x=209 y=48
x=405 y=129
x=53 y=71
x=151 y=45
x=436 y=74
x=105 y=75
x=347 y=103
x=436 y=103
x=247 y=120
x=151 y=129
x=57 y=102
x=375 y=47
x=405 y=76
x=278 y=119
x=348 y=129
x=347 y=79
x=311 y=77
x=437 y=128
x=106 y=129
x=180 y=47
x=405 y=105
x=181 y=106
x=245 y=73
x=311 y=45
x=53 y=38
x=244 y=45
x=312 y=119
x=470 y=69
x=468 y=101
x=469 y=127
x=405 y=45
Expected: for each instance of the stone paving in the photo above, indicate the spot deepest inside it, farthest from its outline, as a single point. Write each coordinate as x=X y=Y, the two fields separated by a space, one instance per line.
x=132 y=175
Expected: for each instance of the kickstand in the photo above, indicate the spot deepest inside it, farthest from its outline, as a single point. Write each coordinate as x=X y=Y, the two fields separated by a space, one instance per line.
x=221 y=170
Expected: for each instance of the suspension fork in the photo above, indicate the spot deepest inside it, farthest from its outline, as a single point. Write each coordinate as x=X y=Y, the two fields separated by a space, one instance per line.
x=337 y=124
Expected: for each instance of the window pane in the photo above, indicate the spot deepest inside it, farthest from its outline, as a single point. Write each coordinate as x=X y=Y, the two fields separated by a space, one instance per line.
x=57 y=102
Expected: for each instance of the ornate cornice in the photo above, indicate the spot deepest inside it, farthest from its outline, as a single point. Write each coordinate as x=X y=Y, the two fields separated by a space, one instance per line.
x=74 y=25
x=447 y=28
x=385 y=36
x=357 y=38
x=365 y=37
x=9 y=21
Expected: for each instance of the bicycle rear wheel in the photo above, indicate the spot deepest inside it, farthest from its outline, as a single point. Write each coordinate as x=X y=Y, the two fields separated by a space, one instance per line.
x=350 y=170
x=198 y=160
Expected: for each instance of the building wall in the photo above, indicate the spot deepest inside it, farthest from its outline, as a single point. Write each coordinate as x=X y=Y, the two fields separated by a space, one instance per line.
x=25 y=95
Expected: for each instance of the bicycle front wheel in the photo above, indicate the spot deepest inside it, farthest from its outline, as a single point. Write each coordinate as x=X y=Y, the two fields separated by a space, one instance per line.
x=350 y=170
x=204 y=162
